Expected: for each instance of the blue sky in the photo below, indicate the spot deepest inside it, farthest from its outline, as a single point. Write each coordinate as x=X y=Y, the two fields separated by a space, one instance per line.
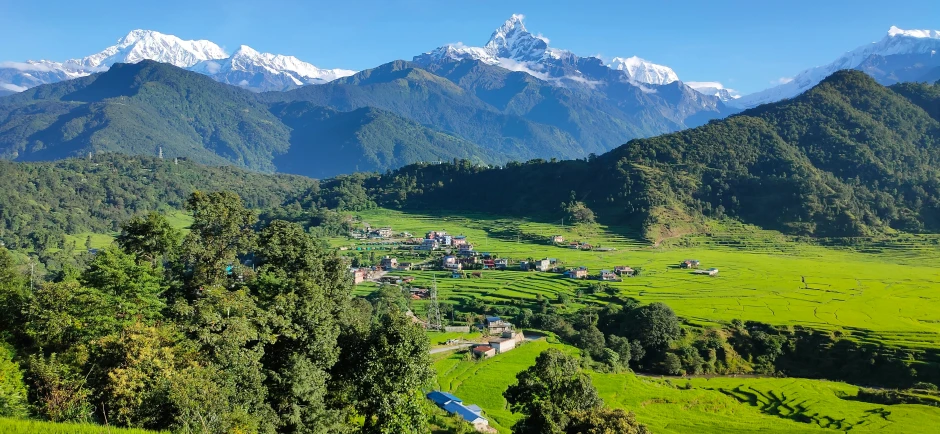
x=746 y=45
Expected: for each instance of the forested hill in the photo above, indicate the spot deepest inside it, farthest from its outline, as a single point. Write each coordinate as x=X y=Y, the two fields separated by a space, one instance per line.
x=143 y=108
x=41 y=202
x=848 y=157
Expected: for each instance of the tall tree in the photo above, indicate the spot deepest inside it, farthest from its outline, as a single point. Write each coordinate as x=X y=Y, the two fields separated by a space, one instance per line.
x=604 y=421
x=548 y=392
x=392 y=367
x=221 y=230
x=151 y=238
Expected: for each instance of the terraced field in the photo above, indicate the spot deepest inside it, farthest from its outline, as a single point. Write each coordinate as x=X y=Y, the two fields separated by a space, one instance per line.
x=20 y=426
x=890 y=297
x=698 y=405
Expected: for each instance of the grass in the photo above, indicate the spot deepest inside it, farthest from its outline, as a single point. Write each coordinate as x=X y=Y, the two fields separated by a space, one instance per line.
x=698 y=405
x=178 y=219
x=881 y=292
x=22 y=426
x=483 y=382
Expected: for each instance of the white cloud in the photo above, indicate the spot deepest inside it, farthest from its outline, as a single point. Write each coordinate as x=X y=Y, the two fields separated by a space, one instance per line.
x=701 y=84
x=513 y=65
x=243 y=83
x=29 y=66
x=782 y=80
x=13 y=87
x=212 y=67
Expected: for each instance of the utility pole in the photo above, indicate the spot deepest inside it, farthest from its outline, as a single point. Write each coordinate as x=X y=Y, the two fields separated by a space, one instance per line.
x=160 y=153
x=434 y=309
x=32 y=273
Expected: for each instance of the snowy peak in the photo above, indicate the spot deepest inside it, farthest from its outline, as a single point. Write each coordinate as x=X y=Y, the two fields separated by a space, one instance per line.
x=246 y=67
x=928 y=34
x=900 y=56
x=151 y=45
x=643 y=71
x=513 y=41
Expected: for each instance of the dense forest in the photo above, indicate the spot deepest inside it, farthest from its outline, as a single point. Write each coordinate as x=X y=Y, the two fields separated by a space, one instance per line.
x=41 y=202
x=850 y=157
x=173 y=332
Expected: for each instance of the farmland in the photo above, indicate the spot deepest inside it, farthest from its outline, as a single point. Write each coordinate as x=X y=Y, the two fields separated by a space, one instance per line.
x=881 y=292
x=716 y=405
x=19 y=426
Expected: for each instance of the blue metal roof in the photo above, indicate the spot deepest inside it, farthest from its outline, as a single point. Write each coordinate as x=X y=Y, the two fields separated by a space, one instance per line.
x=492 y=318
x=441 y=398
x=461 y=410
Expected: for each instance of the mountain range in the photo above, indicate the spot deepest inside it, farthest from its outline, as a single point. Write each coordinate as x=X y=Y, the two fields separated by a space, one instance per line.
x=514 y=98
x=849 y=157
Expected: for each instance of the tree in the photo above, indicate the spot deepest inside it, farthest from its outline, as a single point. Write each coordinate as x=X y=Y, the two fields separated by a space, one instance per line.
x=605 y=421
x=591 y=340
x=621 y=346
x=151 y=238
x=14 y=292
x=12 y=389
x=548 y=392
x=131 y=289
x=672 y=364
x=388 y=369
x=580 y=213
x=221 y=230
x=655 y=326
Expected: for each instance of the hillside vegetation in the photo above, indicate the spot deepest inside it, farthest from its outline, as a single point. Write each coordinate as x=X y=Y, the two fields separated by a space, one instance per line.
x=850 y=157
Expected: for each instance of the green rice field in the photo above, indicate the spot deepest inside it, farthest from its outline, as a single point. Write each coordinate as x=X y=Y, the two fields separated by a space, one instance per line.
x=697 y=405
x=884 y=291
x=21 y=426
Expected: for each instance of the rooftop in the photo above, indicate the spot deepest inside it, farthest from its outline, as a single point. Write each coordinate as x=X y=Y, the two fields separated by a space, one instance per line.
x=441 y=398
x=462 y=411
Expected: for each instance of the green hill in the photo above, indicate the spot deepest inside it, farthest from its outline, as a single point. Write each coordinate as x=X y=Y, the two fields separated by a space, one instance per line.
x=326 y=142
x=41 y=202
x=139 y=109
x=848 y=157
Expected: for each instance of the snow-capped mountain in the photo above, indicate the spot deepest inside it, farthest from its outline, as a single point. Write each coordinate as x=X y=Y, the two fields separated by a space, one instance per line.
x=246 y=67
x=149 y=45
x=513 y=47
x=714 y=88
x=902 y=55
x=643 y=71
x=265 y=71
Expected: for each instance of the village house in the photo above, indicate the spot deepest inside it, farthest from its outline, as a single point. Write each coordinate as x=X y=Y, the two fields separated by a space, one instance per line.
x=607 y=275
x=577 y=273
x=450 y=262
x=689 y=263
x=489 y=264
x=359 y=275
x=389 y=263
x=501 y=263
x=469 y=262
x=384 y=232
x=483 y=351
x=709 y=272
x=435 y=235
x=429 y=244
x=540 y=265
x=558 y=239
x=447 y=240
x=586 y=246
x=459 y=240
x=473 y=414
x=623 y=271
x=404 y=266
x=465 y=247
x=494 y=325
x=502 y=345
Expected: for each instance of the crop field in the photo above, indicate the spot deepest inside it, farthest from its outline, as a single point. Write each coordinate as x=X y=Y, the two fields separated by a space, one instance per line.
x=21 y=426
x=885 y=292
x=483 y=382
x=697 y=405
